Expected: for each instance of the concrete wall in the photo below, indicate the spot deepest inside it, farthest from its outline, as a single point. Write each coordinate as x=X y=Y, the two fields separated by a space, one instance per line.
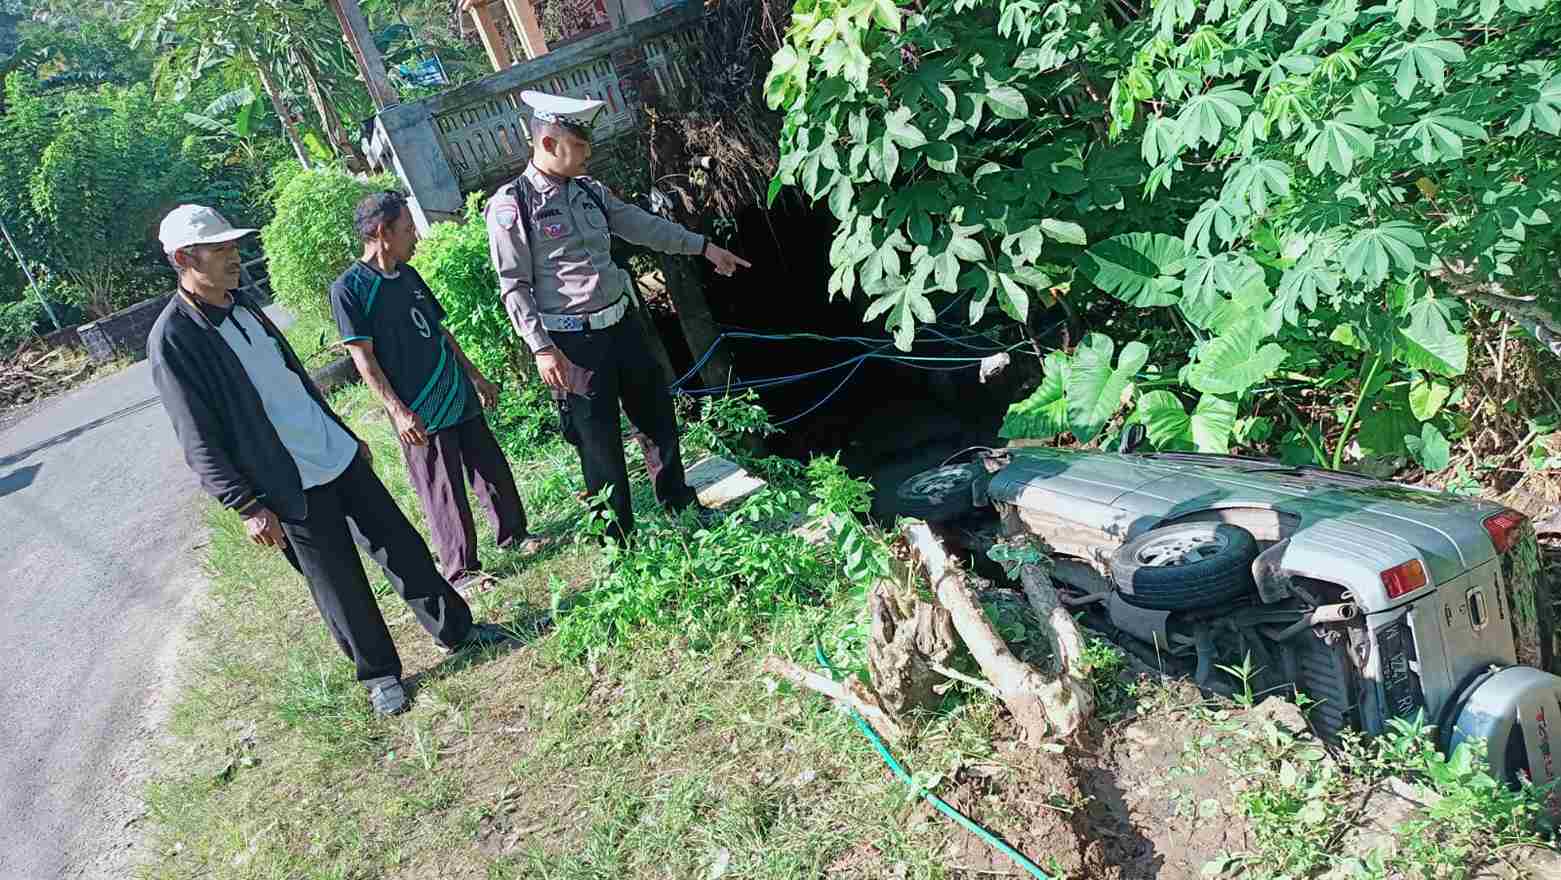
x=122 y=333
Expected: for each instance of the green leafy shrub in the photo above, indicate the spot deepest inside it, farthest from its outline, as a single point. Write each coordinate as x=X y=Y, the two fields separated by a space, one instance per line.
x=112 y=165
x=453 y=258
x=1294 y=208
x=700 y=584
x=311 y=239
x=18 y=321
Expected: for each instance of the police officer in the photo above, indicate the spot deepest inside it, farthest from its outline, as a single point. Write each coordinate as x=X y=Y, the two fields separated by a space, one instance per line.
x=549 y=234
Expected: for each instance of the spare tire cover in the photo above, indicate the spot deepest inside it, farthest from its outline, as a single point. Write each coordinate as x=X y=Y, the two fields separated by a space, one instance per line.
x=1517 y=711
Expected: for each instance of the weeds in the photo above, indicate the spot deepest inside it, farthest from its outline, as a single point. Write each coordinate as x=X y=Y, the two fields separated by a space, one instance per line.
x=695 y=583
x=1304 y=804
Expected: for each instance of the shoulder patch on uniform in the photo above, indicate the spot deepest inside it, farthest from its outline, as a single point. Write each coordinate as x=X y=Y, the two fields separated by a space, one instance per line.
x=506 y=215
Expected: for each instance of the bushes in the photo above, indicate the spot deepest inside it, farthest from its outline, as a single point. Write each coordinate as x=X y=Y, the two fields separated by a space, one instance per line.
x=453 y=259
x=311 y=239
x=112 y=165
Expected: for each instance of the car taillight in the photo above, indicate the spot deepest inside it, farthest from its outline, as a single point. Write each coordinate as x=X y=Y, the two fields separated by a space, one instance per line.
x=1402 y=579
x=1505 y=529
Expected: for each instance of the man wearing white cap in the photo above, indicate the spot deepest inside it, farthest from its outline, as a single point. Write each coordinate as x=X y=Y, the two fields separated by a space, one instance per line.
x=265 y=444
x=550 y=236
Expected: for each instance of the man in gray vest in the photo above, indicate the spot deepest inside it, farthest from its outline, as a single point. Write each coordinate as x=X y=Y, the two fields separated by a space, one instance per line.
x=549 y=234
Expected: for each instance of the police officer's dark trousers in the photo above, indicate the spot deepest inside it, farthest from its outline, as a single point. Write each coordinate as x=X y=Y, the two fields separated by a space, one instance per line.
x=624 y=371
x=322 y=548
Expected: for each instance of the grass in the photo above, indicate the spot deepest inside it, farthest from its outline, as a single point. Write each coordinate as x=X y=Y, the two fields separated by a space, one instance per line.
x=639 y=737
x=648 y=758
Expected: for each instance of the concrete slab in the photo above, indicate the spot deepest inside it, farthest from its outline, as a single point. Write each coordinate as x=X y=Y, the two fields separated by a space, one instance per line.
x=721 y=483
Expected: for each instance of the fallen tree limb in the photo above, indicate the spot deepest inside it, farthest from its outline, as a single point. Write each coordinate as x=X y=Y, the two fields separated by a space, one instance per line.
x=851 y=693
x=1526 y=312
x=1042 y=708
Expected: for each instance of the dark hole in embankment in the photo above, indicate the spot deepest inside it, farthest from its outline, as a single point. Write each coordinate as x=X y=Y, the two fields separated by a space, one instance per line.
x=888 y=418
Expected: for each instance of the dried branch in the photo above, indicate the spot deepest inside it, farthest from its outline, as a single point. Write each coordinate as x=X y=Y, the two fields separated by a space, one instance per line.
x=851 y=693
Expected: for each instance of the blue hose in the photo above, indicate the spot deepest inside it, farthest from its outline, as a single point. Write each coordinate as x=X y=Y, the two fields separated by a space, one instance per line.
x=904 y=775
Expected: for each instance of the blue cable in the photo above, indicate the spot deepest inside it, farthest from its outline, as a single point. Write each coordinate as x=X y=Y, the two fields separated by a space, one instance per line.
x=824 y=400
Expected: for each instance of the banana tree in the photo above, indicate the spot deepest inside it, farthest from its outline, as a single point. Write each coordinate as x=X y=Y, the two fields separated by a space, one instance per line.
x=233 y=120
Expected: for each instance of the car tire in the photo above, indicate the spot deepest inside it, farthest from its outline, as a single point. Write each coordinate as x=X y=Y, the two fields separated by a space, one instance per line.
x=941 y=494
x=1186 y=566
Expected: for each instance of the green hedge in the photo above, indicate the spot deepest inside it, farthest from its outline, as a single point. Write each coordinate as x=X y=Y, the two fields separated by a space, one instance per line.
x=311 y=241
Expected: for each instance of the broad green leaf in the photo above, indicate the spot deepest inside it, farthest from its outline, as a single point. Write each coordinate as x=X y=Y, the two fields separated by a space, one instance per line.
x=1095 y=387
x=1044 y=414
x=965 y=247
x=1209 y=279
x=1136 y=267
x=1410 y=11
x=1233 y=362
x=1208 y=429
x=1024 y=246
x=1301 y=285
x=1384 y=431
x=1165 y=420
x=1440 y=137
x=842 y=198
x=942 y=156
x=1376 y=252
x=1212 y=217
x=1338 y=144
x=1431 y=448
x=1006 y=101
x=1064 y=231
x=904 y=305
x=1162 y=139
x=1424 y=59
x=1426 y=397
x=1544 y=113
x=1258 y=17
x=887 y=14
x=1205 y=117
x=784 y=66
x=1430 y=343
x=1012 y=298
x=1249 y=185
x=946 y=271
x=902 y=131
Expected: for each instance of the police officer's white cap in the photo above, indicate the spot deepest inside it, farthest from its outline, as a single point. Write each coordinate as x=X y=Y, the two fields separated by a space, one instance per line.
x=189 y=225
x=560 y=110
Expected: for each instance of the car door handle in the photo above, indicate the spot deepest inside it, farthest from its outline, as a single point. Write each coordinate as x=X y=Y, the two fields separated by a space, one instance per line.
x=1478 y=614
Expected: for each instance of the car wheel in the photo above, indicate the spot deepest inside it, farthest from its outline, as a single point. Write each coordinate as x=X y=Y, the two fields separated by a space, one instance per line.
x=1191 y=565
x=941 y=494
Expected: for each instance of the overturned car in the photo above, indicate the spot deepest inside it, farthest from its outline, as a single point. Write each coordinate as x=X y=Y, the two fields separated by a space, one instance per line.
x=1374 y=599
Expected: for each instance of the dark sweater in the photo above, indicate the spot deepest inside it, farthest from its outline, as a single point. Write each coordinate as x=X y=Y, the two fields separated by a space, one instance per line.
x=228 y=440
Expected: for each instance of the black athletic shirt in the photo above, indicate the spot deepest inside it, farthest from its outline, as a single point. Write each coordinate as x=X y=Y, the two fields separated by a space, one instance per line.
x=404 y=320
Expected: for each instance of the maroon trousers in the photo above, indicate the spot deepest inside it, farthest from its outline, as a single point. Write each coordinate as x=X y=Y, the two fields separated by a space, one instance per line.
x=440 y=471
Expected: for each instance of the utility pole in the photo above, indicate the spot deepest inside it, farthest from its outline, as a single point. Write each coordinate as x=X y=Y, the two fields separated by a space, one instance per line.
x=31 y=281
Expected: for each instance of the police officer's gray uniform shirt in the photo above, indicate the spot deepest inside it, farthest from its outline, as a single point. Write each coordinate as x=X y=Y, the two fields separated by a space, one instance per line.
x=563 y=264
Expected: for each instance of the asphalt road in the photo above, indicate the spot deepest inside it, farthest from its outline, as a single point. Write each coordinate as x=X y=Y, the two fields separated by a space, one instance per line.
x=98 y=521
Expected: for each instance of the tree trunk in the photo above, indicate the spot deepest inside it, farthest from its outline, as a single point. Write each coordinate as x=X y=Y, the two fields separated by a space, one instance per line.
x=911 y=640
x=371 y=65
x=289 y=121
x=1067 y=643
x=330 y=121
x=699 y=327
x=1042 y=708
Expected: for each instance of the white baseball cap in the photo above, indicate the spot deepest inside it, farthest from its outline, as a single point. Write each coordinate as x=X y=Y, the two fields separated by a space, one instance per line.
x=189 y=225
